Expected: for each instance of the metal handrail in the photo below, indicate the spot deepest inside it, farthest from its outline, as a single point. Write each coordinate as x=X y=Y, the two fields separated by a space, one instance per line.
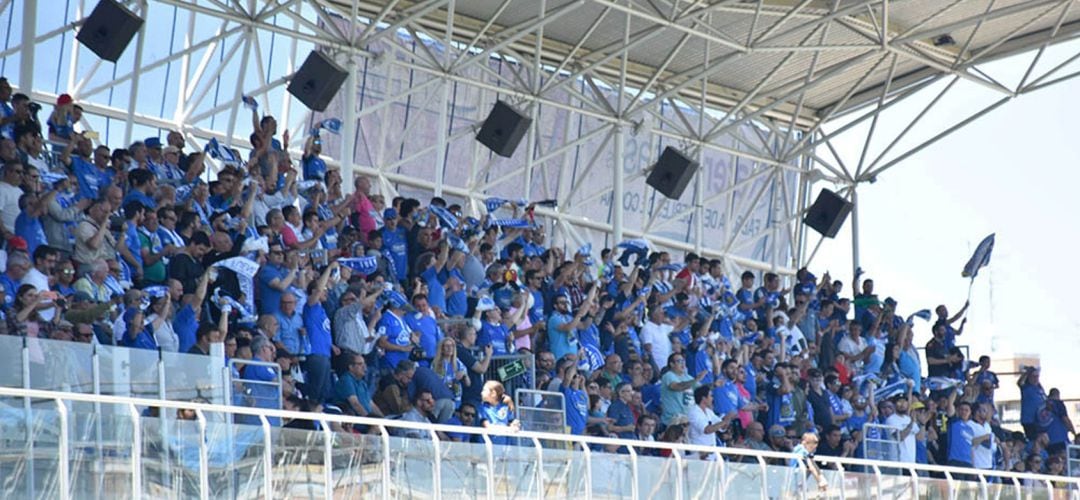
x=535 y=437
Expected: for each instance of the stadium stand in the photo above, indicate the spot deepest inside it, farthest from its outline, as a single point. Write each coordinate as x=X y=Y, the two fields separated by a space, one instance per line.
x=409 y=310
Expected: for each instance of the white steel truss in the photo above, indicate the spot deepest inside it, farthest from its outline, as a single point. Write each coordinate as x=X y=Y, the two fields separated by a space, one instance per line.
x=759 y=93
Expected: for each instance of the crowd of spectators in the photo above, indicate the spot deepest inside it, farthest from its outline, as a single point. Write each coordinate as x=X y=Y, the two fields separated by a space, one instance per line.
x=396 y=308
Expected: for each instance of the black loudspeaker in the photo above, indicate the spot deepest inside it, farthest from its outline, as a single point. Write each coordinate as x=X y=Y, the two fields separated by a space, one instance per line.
x=672 y=173
x=503 y=129
x=828 y=213
x=317 y=81
x=109 y=29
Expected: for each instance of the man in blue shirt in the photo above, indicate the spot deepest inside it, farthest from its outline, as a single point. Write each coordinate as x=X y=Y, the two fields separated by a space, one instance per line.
x=962 y=438
x=426 y=380
x=314 y=167
x=143 y=187
x=396 y=244
x=423 y=322
x=317 y=384
x=262 y=394
x=1032 y=399
x=352 y=390
x=395 y=337
x=496 y=326
x=290 y=326
x=274 y=278
x=562 y=327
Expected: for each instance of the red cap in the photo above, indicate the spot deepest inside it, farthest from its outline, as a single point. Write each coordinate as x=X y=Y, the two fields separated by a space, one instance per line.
x=17 y=243
x=64 y=99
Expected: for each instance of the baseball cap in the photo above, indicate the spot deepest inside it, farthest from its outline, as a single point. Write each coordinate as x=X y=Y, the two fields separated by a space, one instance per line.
x=152 y=142
x=17 y=243
x=64 y=99
x=390 y=213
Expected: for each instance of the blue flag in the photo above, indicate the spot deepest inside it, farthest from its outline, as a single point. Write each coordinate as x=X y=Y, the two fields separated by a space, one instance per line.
x=365 y=265
x=250 y=103
x=156 y=291
x=333 y=125
x=980 y=258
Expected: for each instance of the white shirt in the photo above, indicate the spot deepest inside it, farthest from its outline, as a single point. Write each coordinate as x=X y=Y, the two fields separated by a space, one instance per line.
x=657 y=335
x=907 y=446
x=852 y=347
x=165 y=336
x=41 y=283
x=9 y=205
x=982 y=455
x=699 y=420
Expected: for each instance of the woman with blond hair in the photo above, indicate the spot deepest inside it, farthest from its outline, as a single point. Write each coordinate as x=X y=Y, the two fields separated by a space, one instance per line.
x=447 y=365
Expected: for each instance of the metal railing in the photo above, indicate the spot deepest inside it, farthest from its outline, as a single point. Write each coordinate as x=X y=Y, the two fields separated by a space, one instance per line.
x=336 y=463
x=515 y=371
x=881 y=442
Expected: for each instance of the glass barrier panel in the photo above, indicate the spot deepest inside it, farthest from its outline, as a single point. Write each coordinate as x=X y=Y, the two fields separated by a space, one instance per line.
x=357 y=462
x=57 y=365
x=562 y=468
x=129 y=372
x=411 y=468
x=515 y=470
x=742 y=477
x=100 y=455
x=657 y=477
x=192 y=376
x=298 y=463
x=702 y=479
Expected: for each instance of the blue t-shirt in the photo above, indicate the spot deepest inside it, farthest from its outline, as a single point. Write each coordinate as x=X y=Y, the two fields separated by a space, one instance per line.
x=396 y=244
x=1032 y=399
x=699 y=362
x=726 y=399
x=622 y=415
x=91 y=180
x=31 y=230
x=561 y=343
x=494 y=334
x=318 y=329
x=751 y=380
x=430 y=333
x=314 y=168
x=499 y=414
x=781 y=407
x=139 y=196
x=10 y=287
x=269 y=297
x=577 y=409
x=457 y=303
x=856 y=422
x=396 y=332
x=1052 y=420
x=186 y=325
x=436 y=291
x=144 y=340
x=262 y=395
x=960 y=435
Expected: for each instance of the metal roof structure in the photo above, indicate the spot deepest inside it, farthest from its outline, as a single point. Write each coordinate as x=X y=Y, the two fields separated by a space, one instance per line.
x=768 y=95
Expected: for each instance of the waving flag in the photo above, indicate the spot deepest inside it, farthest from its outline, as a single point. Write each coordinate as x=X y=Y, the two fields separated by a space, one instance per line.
x=923 y=314
x=245 y=270
x=980 y=258
x=250 y=103
x=365 y=265
x=637 y=247
x=217 y=151
x=445 y=217
x=156 y=291
x=585 y=249
x=333 y=125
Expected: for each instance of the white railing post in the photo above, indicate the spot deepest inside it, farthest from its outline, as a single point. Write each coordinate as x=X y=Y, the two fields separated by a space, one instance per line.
x=634 y=493
x=679 y=476
x=328 y=458
x=268 y=458
x=914 y=482
x=984 y=491
x=588 y=469
x=764 y=478
x=949 y=482
x=539 y=468
x=877 y=480
x=843 y=489
x=204 y=459
x=489 y=451
x=1016 y=488
x=64 y=478
x=136 y=452
x=436 y=478
x=1049 y=488
x=386 y=462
